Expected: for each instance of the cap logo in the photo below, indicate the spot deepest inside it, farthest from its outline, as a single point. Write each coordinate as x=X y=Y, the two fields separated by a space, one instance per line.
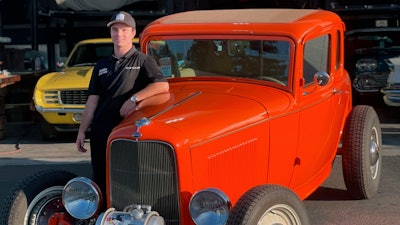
x=120 y=17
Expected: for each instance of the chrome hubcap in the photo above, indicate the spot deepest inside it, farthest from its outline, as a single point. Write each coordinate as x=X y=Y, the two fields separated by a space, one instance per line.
x=374 y=151
x=280 y=214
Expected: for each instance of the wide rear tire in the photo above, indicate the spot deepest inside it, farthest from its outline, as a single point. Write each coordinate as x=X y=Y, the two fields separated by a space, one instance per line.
x=361 y=152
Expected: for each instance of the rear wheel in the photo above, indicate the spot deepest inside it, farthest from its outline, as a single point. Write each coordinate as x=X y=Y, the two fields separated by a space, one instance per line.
x=36 y=199
x=269 y=204
x=361 y=152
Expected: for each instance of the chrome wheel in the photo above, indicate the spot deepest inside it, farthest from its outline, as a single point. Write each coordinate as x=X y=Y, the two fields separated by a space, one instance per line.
x=44 y=205
x=280 y=214
x=375 y=152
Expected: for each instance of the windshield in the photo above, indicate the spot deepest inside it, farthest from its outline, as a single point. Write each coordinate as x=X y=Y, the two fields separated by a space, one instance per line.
x=252 y=59
x=88 y=54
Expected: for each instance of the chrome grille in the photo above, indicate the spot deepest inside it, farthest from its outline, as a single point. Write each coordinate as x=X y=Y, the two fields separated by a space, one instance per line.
x=144 y=173
x=73 y=97
x=370 y=82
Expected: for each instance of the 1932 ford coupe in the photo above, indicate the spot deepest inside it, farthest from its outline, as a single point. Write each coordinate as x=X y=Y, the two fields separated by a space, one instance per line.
x=258 y=109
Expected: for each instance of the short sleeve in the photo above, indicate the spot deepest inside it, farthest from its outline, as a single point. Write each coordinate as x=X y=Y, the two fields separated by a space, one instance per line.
x=94 y=88
x=152 y=70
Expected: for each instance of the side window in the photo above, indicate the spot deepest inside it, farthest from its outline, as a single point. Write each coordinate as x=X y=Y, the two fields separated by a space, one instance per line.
x=338 y=47
x=316 y=57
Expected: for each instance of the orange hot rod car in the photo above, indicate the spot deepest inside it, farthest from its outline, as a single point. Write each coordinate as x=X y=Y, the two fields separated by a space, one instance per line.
x=259 y=107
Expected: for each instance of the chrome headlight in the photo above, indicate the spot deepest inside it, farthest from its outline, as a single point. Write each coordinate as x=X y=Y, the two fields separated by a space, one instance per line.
x=363 y=65
x=81 y=198
x=209 y=207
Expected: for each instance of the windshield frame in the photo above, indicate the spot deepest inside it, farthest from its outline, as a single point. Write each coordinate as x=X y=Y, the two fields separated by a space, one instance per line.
x=290 y=63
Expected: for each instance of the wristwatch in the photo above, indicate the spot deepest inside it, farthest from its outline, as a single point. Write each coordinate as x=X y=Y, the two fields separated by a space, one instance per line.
x=133 y=98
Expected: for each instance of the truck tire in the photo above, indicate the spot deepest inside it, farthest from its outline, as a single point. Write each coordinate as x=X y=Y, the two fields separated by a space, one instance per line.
x=361 y=152
x=32 y=200
x=269 y=204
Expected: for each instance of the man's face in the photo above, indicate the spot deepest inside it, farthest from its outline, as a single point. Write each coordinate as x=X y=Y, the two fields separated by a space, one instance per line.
x=122 y=34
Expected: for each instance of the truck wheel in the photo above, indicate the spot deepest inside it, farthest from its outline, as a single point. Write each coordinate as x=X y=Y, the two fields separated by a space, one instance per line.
x=269 y=204
x=35 y=198
x=361 y=152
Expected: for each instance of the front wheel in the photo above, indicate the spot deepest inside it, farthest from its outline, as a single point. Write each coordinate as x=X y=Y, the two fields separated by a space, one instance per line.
x=269 y=204
x=361 y=152
x=36 y=199
x=47 y=130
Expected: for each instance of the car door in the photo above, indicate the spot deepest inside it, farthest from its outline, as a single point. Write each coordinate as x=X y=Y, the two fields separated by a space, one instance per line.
x=316 y=113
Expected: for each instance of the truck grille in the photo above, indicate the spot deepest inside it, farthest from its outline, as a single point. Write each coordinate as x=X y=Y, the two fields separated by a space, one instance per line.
x=144 y=173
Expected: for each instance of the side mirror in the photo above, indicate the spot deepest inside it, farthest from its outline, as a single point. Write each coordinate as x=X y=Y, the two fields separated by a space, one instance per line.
x=322 y=78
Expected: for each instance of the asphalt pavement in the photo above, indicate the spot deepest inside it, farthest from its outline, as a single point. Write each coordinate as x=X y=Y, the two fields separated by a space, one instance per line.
x=24 y=145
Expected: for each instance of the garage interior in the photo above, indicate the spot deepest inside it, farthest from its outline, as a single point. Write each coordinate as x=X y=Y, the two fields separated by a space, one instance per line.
x=46 y=30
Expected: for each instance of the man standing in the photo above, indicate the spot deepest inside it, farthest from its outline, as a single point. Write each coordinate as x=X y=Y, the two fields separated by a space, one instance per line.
x=117 y=84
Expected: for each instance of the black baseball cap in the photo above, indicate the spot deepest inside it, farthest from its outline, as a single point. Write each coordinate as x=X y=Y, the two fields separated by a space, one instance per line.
x=122 y=17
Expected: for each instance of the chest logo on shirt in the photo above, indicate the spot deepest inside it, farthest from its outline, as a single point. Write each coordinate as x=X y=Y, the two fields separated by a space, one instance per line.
x=132 y=67
x=103 y=71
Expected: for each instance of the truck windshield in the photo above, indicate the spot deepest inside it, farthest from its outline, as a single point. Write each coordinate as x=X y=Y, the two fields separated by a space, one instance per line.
x=252 y=59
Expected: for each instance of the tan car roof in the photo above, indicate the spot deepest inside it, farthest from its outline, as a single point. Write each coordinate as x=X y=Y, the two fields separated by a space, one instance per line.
x=240 y=16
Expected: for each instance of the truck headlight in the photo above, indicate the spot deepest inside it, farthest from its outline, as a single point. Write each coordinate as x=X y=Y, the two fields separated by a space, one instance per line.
x=81 y=198
x=209 y=207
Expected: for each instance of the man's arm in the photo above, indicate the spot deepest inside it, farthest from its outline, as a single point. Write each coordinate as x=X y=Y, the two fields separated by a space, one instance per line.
x=87 y=117
x=148 y=91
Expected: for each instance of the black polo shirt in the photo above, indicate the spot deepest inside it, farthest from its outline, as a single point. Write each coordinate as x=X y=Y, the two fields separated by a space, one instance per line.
x=116 y=80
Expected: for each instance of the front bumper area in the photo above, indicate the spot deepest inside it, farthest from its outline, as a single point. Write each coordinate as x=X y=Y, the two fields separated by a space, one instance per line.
x=70 y=116
x=391 y=95
x=392 y=90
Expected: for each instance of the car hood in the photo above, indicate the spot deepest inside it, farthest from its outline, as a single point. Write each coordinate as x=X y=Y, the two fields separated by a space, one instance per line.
x=69 y=78
x=201 y=110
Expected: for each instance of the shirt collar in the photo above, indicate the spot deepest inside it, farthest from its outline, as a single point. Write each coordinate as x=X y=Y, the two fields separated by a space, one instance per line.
x=128 y=54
